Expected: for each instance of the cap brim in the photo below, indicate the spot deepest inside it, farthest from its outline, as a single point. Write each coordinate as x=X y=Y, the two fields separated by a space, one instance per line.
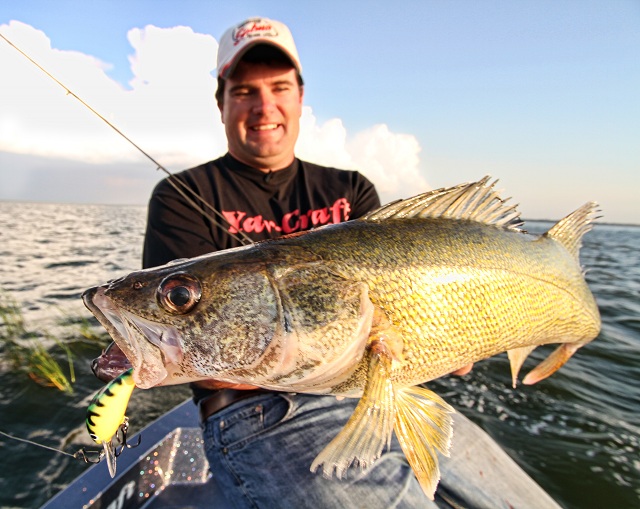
x=227 y=70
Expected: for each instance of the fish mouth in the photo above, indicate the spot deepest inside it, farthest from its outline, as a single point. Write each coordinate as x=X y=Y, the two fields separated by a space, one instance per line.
x=111 y=363
x=150 y=347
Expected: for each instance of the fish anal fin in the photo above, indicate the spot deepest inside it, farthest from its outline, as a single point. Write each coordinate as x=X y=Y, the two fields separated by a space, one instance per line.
x=517 y=356
x=551 y=364
x=370 y=427
x=423 y=425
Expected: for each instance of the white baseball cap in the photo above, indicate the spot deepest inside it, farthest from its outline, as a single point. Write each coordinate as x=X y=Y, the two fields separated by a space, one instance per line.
x=237 y=40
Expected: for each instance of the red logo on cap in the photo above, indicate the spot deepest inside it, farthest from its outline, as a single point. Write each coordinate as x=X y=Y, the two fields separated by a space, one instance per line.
x=253 y=28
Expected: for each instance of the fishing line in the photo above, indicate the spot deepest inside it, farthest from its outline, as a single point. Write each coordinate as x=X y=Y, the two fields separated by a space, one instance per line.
x=175 y=182
x=82 y=453
x=93 y=456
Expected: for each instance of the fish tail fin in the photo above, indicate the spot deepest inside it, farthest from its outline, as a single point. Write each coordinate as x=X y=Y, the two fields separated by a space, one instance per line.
x=369 y=428
x=517 y=357
x=569 y=231
x=110 y=456
x=551 y=364
x=423 y=425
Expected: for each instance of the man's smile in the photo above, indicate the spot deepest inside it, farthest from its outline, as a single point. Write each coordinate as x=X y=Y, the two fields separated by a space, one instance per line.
x=264 y=127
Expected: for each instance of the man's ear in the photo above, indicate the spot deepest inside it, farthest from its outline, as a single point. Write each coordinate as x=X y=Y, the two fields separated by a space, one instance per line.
x=301 y=88
x=221 y=109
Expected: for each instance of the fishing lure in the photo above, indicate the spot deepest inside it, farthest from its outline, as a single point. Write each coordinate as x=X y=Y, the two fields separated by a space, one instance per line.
x=106 y=420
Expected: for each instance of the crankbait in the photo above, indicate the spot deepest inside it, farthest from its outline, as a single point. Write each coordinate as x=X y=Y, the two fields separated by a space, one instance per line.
x=106 y=420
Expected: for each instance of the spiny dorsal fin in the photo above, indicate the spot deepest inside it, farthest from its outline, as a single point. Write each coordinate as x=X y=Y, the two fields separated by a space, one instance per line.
x=569 y=231
x=474 y=201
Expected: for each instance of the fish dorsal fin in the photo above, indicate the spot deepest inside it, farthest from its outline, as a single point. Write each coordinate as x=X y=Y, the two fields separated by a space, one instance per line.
x=569 y=231
x=474 y=201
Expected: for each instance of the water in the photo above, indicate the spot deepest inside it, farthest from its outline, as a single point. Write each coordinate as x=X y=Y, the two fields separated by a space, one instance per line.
x=577 y=433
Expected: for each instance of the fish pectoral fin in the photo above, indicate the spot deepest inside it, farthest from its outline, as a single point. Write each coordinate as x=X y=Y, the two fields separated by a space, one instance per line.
x=551 y=364
x=423 y=425
x=370 y=427
x=517 y=356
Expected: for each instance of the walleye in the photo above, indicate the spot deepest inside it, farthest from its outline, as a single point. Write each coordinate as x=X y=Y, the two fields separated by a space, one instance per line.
x=369 y=308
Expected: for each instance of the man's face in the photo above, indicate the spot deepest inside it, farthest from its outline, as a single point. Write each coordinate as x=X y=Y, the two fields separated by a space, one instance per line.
x=261 y=114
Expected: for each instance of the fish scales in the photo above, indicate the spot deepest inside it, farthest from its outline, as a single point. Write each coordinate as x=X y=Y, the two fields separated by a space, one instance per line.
x=460 y=288
x=368 y=308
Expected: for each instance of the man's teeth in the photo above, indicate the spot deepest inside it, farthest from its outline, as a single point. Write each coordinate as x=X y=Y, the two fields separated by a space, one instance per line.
x=265 y=127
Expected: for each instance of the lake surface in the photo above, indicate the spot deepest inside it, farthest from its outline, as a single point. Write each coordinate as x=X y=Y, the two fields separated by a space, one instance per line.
x=577 y=433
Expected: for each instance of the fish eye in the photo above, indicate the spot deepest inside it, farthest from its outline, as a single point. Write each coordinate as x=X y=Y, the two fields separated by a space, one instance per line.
x=179 y=293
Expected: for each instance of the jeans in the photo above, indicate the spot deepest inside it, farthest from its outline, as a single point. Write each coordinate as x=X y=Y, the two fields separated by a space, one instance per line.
x=260 y=450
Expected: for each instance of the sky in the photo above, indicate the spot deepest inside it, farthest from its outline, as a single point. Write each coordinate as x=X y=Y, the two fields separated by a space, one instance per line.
x=544 y=95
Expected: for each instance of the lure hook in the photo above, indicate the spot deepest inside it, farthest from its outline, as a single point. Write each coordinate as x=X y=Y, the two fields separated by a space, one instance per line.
x=89 y=456
x=121 y=438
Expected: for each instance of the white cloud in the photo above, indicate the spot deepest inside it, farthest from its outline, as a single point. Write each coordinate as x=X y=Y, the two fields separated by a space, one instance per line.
x=388 y=159
x=323 y=144
x=37 y=116
x=168 y=109
x=391 y=161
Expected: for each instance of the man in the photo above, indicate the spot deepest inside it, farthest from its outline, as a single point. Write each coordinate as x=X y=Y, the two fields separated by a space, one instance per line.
x=261 y=444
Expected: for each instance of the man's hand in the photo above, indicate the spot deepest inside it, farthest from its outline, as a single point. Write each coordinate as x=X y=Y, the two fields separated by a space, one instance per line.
x=216 y=385
x=463 y=370
x=112 y=362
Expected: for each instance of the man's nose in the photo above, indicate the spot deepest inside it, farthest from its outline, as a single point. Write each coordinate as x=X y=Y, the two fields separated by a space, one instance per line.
x=264 y=102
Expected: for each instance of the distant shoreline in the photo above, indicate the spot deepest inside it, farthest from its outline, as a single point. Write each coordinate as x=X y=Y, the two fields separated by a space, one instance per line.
x=526 y=220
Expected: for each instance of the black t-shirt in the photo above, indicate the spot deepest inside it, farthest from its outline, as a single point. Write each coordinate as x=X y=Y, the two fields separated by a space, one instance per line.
x=257 y=204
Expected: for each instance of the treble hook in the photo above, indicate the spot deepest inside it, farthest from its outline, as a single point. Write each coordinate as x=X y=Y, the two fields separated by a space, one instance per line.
x=93 y=456
x=121 y=437
x=89 y=456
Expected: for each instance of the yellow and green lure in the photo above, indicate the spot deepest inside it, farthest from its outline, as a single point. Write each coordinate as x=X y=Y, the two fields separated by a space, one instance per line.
x=106 y=416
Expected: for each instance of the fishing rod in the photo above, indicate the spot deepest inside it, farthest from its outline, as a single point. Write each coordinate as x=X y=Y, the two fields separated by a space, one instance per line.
x=93 y=456
x=183 y=189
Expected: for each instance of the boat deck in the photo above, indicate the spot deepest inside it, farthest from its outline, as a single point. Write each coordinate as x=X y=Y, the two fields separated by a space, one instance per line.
x=168 y=470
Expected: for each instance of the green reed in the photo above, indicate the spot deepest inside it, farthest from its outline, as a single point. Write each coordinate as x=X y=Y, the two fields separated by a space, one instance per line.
x=45 y=370
x=25 y=349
